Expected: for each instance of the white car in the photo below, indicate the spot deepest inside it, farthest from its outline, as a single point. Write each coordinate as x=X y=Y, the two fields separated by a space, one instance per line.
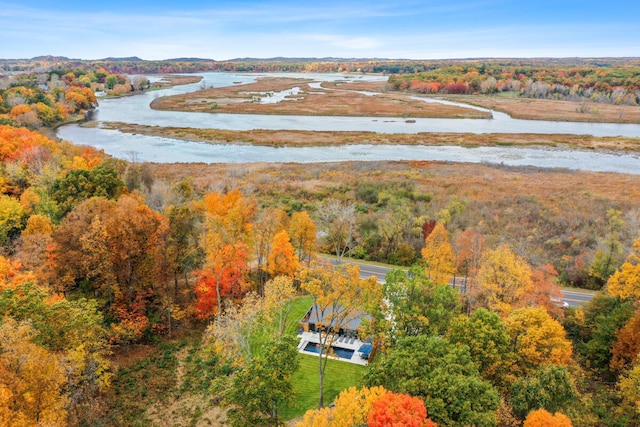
x=559 y=303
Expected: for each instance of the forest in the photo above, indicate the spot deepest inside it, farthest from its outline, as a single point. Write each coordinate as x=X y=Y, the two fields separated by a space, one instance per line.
x=148 y=294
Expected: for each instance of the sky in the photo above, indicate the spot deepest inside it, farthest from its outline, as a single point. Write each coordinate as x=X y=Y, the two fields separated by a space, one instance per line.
x=222 y=30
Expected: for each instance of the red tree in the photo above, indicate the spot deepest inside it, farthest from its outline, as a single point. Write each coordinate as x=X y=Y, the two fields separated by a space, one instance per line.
x=223 y=278
x=398 y=410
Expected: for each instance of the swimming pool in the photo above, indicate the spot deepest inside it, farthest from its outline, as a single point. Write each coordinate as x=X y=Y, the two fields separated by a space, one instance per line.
x=342 y=353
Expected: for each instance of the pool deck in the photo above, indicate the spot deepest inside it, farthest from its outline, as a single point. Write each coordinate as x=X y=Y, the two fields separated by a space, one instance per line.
x=347 y=343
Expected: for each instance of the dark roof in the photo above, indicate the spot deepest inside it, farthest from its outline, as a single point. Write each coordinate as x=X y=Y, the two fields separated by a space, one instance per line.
x=353 y=323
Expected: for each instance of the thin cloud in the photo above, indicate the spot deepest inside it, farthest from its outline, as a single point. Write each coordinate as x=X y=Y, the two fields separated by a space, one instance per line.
x=416 y=29
x=345 y=42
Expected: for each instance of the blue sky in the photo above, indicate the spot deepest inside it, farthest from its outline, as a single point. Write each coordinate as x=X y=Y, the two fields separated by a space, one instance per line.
x=349 y=29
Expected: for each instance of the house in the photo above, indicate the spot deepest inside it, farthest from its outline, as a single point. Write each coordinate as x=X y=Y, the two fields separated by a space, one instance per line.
x=346 y=344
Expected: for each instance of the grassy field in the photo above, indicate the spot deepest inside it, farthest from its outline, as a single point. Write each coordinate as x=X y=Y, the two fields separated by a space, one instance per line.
x=338 y=376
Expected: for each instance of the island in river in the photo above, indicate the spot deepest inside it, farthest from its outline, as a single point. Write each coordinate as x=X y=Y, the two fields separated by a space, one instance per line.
x=307 y=96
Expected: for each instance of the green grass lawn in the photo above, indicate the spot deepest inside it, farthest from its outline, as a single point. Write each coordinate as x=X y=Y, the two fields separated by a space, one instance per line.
x=338 y=376
x=299 y=307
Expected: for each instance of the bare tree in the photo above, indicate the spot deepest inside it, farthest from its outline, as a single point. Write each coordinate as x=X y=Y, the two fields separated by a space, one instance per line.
x=337 y=225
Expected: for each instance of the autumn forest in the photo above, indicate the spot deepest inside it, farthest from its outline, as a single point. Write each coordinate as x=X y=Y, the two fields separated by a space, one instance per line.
x=135 y=293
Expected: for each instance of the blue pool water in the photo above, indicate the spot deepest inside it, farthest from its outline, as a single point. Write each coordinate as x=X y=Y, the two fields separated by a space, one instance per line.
x=342 y=353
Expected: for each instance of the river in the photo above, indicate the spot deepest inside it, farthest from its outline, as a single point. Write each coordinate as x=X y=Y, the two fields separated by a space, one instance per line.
x=136 y=110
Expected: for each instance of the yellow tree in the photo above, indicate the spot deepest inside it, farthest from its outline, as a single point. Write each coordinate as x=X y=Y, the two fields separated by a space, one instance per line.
x=542 y=418
x=504 y=281
x=136 y=240
x=11 y=219
x=350 y=409
x=538 y=339
x=339 y=297
x=609 y=255
x=235 y=330
x=67 y=256
x=438 y=255
x=625 y=282
x=282 y=260
x=316 y=418
x=353 y=405
x=303 y=235
x=629 y=391
x=32 y=380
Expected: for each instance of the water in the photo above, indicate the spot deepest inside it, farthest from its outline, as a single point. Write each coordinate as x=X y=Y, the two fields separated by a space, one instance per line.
x=166 y=150
x=342 y=353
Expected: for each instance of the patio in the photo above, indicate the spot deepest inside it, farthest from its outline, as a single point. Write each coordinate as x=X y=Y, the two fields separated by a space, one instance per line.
x=345 y=347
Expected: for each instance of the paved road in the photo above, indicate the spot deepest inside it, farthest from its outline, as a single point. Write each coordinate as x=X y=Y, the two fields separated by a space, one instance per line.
x=571 y=297
x=576 y=298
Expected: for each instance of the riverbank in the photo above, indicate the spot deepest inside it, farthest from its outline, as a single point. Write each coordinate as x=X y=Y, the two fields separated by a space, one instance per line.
x=294 y=138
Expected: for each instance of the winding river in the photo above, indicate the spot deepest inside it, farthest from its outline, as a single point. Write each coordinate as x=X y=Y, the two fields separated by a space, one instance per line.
x=136 y=110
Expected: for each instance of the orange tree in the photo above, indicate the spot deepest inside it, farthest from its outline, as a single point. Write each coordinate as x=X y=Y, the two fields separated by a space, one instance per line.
x=398 y=410
x=228 y=244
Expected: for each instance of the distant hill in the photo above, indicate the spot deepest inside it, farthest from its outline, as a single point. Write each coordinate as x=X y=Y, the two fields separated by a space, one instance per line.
x=326 y=59
x=188 y=60
x=127 y=59
x=51 y=58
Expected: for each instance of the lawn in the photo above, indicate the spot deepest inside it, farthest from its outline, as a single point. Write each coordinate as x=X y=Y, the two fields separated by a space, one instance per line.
x=299 y=307
x=338 y=376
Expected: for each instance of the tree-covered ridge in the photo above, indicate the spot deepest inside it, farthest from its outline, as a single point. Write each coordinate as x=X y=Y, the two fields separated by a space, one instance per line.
x=612 y=84
x=368 y=65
